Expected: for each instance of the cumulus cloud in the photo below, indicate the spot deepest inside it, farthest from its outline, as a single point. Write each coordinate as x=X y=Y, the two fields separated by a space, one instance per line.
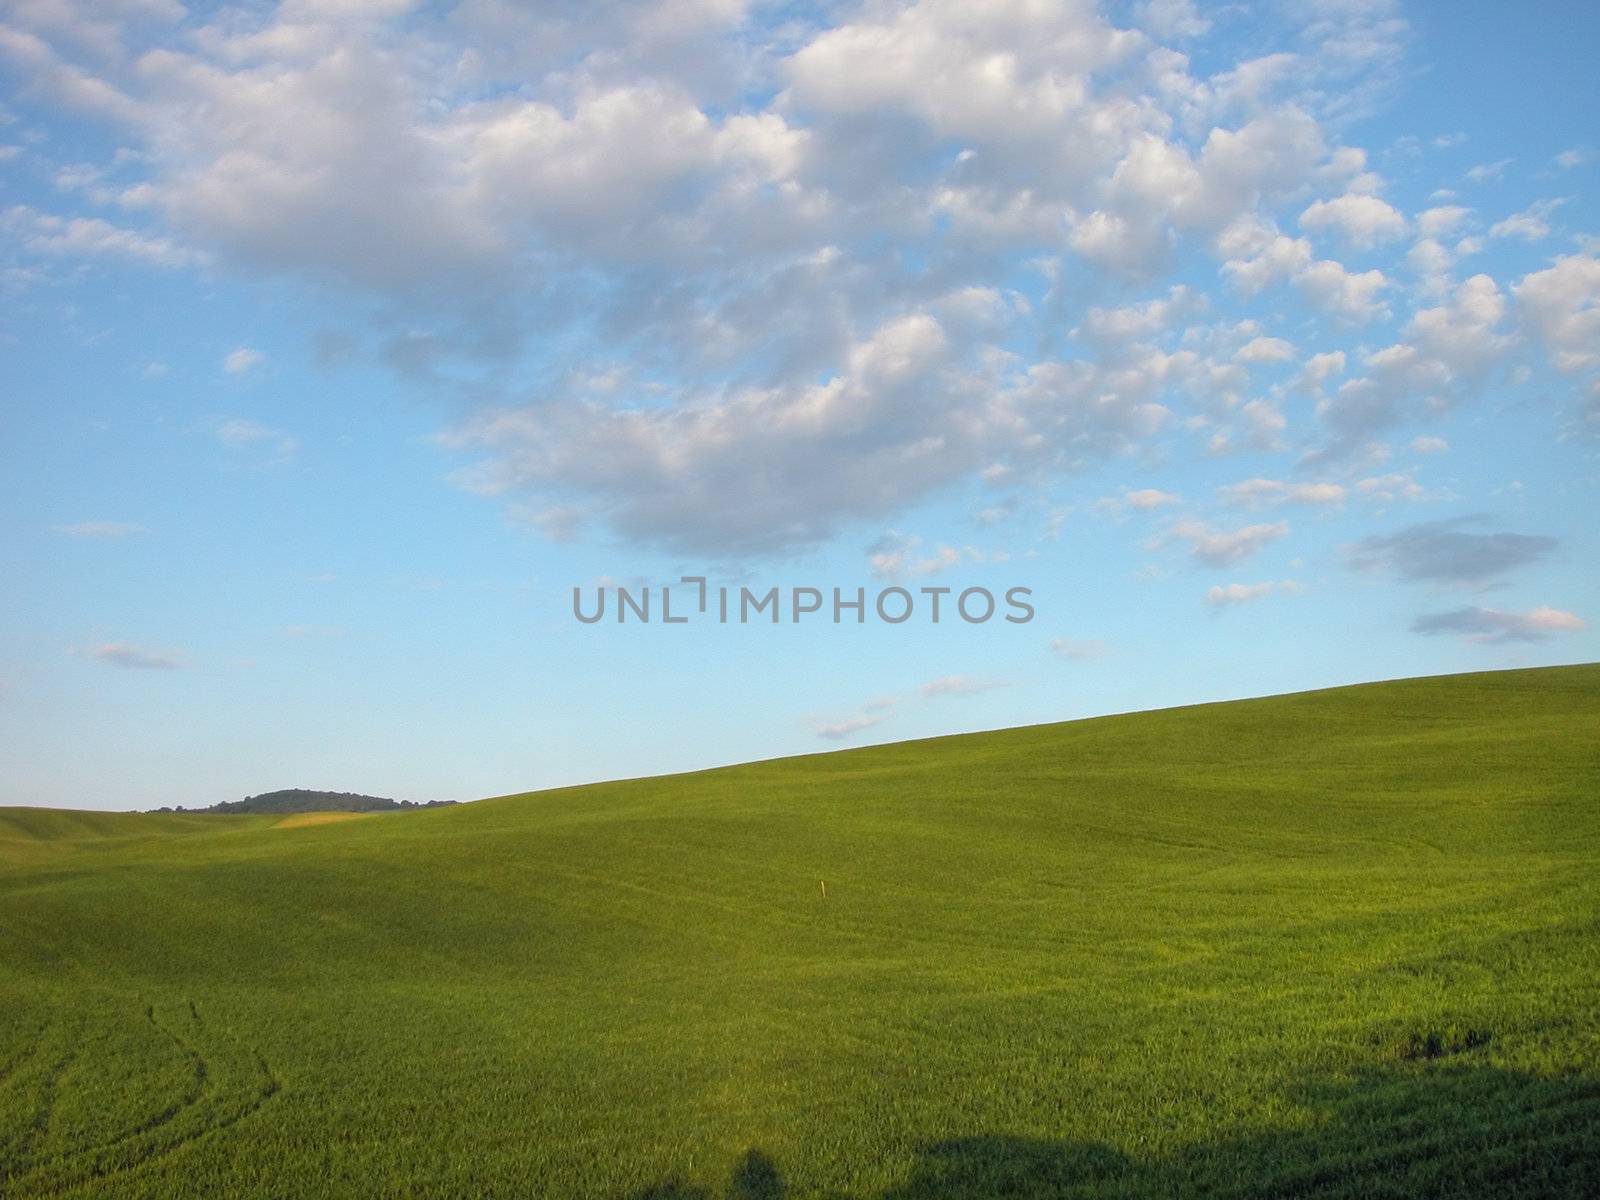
x=1264 y=350
x=1176 y=19
x=1256 y=257
x=131 y=657
x=1140 y=322
x=1448 y=552
x=1140 y=499
x=1492 y=626
x=762 y=470
x=1223 y=595
x=1397 y=485
x=1445 y=352
x=1532 y=224
x=1354 y=296
x=1436 y=222
x=1562 y=305
x=1318 y=369
x=1222 y=548
x=93 y=237
x=1362 y=220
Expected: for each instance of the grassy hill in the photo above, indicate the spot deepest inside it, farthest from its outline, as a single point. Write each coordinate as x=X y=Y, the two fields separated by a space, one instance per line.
x=1343 y=943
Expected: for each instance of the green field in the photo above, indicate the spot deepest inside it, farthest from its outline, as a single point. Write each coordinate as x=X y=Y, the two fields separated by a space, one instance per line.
x=1343 y=943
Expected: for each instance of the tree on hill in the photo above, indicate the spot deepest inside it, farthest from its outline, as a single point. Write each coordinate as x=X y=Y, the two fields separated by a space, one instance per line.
x=304 y=800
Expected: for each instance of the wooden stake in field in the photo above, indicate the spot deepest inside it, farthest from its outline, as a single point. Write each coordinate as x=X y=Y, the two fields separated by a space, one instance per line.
x=823 y=884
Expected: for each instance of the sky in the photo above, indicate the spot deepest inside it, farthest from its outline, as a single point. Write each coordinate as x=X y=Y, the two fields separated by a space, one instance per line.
x=341 y=340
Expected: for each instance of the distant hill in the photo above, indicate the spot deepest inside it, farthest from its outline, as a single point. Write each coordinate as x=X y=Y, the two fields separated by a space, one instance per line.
x=304 y=800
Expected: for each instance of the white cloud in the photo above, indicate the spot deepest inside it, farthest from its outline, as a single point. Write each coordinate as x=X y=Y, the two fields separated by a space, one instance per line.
x=895 y=556
x=837 y=731
x=1256 y=255
x=1172 y=19
x=1260 y=493
x=1447 y=350
x=1222 y=595
x=92 y=237
x=1562 y=305
x=959 y=685
x=1002 y=76
x=1431 y=261
x=1429 y=445
x=1436 y=222
x=1364 y=221
x=1141 y=499
x=1484 y=172
x=1394 y=486
x=1532 y=224
x=242 y=360
x=1265 y=350
x=1221 y=548
x=761 y=470
x=1319 y=369
x=1568 y=159
x=1137 y=322
x=793 y=251
x=1145 y=499
x=1353 y=296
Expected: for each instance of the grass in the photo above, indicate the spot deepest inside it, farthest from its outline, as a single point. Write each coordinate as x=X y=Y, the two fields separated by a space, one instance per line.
x=1343 y=943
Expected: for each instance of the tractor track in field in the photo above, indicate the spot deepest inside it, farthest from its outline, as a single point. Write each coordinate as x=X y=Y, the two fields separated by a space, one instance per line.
x=21 y=1150
x=1406 y=1147
x=193 y=1094
x=143 y=1144
x=11 y=1142
x=26 y=1054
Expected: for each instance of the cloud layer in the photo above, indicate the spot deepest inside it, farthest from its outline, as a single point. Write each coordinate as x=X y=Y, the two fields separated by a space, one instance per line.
x=729 y=286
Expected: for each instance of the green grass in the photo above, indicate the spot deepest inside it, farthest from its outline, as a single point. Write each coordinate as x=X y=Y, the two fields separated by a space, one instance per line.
x=1344 y=943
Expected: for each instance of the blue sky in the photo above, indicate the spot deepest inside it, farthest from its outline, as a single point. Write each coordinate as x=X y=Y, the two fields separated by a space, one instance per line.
x=341 y=339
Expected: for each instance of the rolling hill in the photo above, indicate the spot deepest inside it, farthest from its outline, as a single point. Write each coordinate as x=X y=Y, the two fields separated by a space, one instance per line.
x=1341 y=943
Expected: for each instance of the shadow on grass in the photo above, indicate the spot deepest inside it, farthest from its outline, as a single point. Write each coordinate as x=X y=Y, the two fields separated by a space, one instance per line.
x=1448 y=1131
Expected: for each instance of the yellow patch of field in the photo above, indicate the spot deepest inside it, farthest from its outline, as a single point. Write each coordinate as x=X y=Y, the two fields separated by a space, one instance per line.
x=300 y=820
